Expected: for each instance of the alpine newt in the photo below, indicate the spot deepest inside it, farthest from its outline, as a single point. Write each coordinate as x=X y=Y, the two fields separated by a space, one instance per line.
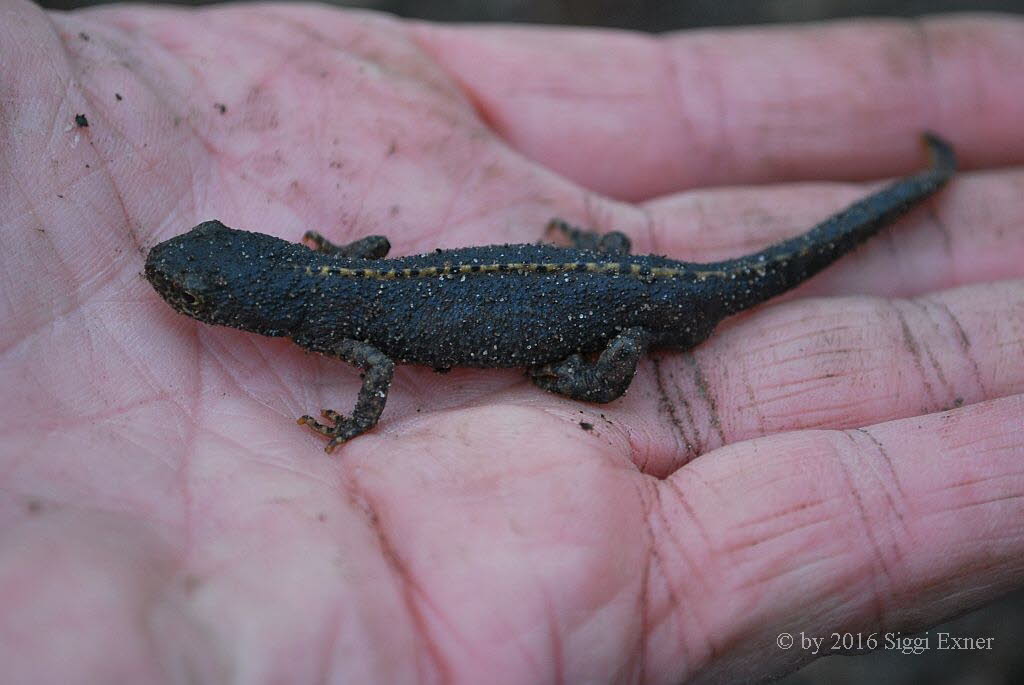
x=578 y=318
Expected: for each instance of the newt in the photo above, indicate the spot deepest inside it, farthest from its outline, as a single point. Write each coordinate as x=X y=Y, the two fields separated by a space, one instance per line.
x=578 y=318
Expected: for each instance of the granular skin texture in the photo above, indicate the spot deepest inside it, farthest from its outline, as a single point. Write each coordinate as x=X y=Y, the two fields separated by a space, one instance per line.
x=542 y=307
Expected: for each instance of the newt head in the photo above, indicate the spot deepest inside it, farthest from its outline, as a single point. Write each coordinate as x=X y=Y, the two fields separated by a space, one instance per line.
x=218 y=275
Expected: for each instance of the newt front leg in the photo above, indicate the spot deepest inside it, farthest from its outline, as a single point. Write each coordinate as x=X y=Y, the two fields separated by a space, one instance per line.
x=611 y=243
x=370 y=247
x=378 y=370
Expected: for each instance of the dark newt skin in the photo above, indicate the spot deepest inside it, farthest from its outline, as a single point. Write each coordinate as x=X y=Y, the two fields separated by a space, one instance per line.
x=537 y=306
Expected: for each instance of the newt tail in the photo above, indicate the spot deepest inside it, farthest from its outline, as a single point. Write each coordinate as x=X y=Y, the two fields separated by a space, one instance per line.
x=790 y=262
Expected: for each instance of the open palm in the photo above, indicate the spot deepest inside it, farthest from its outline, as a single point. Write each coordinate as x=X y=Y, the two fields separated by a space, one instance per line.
x=850 y=460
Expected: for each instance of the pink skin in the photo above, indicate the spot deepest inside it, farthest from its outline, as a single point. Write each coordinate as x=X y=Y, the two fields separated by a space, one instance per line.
x=850 y=459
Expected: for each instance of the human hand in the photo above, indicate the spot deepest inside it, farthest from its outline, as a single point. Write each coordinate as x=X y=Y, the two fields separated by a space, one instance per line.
x=844 y=462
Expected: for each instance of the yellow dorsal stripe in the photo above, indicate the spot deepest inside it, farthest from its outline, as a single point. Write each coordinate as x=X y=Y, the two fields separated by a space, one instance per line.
x=626 y=269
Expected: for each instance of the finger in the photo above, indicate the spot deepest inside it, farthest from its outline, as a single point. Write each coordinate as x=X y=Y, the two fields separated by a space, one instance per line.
x=829 y=363
x=891 y=528
x=635 y=116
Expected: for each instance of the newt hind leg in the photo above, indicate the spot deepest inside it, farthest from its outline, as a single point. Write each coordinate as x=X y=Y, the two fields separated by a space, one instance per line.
x=612 y=243
x=378 y=371
x=370 y=247
x=600 y=381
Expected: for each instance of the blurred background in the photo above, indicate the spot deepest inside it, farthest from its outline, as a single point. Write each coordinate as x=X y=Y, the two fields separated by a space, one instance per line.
x=1003 y=620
